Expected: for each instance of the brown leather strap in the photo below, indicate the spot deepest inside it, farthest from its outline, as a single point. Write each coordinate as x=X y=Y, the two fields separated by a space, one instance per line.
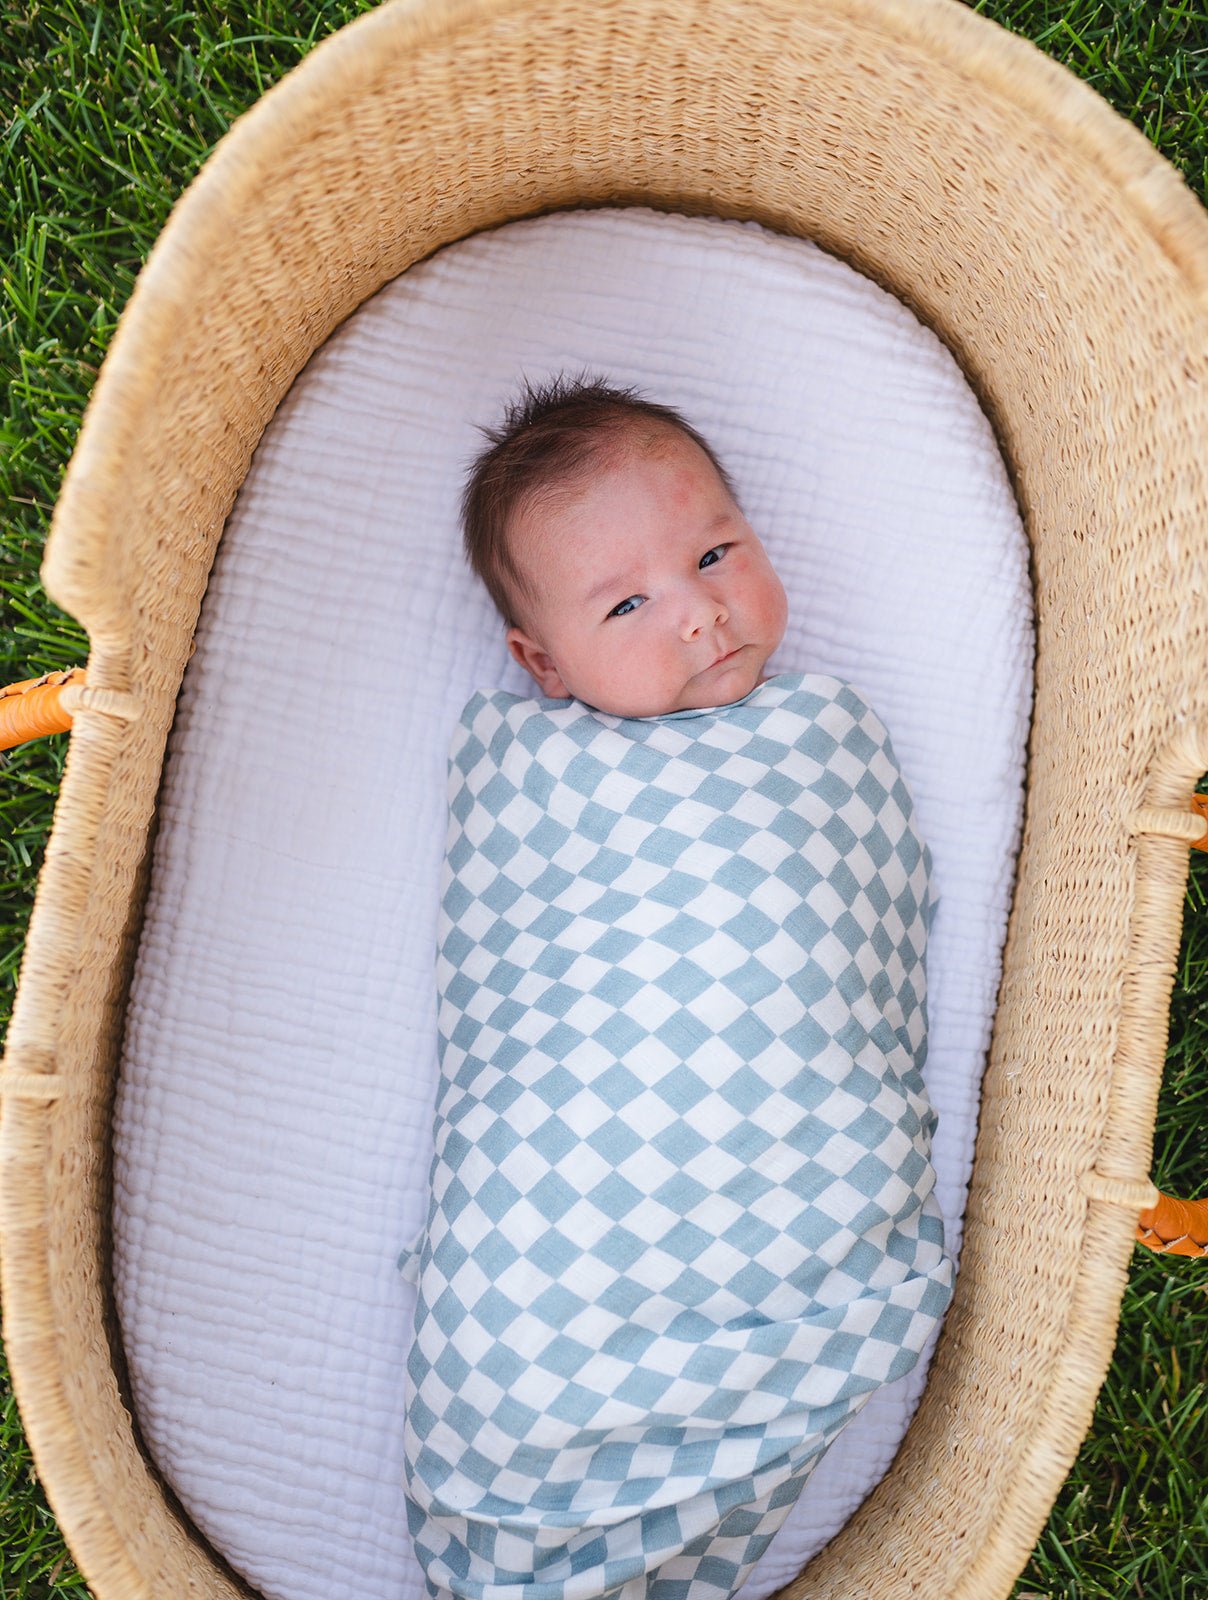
x=1175 y=1227
x=1199 y=802
x=31 y=709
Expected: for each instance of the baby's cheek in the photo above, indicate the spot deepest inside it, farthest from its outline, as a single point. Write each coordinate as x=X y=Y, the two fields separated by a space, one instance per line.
x=650 y=667
x=776 y=601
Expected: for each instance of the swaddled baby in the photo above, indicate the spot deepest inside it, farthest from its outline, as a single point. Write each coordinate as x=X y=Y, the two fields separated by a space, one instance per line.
x=682 y=1221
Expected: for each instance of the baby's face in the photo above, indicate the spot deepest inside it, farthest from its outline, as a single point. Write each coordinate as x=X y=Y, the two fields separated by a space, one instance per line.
x=653 y=592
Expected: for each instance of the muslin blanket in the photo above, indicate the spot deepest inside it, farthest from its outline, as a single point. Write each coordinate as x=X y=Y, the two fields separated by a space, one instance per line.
x=682 y=1223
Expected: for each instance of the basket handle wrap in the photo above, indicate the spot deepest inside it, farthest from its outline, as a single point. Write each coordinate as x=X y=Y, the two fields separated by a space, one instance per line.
x=49 y=704
x=33 y=708
x=1199 y=802
x=1175 y=1227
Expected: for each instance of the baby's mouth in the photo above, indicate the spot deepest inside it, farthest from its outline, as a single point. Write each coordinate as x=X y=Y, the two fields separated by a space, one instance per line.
x=729 y=656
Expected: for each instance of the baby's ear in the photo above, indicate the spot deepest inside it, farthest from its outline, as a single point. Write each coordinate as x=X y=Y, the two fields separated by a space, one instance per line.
x=538 y=664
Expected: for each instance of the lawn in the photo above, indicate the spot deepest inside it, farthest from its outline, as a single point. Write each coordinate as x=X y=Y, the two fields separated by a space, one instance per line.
x=110 y=109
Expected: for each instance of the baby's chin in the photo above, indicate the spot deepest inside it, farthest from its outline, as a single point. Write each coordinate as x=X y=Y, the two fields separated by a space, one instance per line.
x=730 y=681
x=717 y=686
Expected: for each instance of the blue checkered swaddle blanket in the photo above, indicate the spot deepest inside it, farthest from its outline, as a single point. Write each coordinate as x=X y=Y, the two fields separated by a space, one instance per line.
x=682 y=1221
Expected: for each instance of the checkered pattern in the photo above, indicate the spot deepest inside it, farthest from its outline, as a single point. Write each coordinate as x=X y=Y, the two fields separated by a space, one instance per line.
x=682 y=1221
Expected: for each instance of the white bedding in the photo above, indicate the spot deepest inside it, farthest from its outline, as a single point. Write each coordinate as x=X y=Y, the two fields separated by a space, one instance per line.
x=272 y=1129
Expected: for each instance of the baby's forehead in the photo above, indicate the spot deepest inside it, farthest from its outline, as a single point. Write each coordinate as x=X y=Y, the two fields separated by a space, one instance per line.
x=545 y=562
x=614 y=454
x=613 y=457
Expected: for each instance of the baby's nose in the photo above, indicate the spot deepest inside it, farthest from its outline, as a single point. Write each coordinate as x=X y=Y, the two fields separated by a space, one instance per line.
x=702 y=615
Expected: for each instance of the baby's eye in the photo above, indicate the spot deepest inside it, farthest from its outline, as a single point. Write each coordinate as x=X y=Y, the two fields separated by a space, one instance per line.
x=712 y=557
x=626 y=606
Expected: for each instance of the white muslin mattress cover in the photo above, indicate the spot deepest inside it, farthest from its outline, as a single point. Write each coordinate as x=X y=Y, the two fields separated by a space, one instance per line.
x=272 y=1129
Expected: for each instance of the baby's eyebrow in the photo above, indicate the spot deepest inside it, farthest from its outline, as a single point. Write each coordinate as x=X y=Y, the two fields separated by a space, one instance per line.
x=606 y=586
x=620 y=582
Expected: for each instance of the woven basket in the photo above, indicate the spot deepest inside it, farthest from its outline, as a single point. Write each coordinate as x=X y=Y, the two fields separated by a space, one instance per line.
x=1067 y=268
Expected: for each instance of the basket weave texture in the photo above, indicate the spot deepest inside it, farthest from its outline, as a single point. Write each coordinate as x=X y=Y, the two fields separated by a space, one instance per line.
x=1064 y=263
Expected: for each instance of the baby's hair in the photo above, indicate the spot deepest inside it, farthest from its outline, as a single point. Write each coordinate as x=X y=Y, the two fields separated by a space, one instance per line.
x=552 y=434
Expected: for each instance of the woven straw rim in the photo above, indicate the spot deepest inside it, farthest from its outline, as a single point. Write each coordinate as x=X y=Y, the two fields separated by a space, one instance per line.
x=1101 y=871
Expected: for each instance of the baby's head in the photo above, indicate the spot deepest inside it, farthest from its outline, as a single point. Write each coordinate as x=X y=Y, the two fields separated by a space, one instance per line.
x=611 y=541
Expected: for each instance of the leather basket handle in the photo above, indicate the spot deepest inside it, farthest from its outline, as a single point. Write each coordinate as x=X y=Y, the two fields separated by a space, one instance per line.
x=33 y=708
x=40 y=706
x=1175 y=1227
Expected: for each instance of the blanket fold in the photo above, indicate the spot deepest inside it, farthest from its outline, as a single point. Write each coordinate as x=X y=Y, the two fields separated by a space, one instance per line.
x=682 y=1221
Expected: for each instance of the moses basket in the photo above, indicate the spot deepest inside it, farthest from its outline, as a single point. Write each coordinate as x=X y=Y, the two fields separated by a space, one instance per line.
x=1064 y=264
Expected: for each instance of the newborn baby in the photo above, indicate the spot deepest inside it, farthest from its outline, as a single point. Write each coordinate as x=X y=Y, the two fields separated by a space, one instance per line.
x=682 y=1221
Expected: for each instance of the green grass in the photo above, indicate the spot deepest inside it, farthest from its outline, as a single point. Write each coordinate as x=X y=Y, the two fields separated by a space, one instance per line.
x=113 y=108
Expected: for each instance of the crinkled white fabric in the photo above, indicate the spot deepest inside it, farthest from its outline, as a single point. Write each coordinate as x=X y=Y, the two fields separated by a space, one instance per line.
x=272 y=1131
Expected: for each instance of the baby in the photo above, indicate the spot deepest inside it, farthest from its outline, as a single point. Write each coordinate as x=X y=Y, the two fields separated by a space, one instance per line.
x=611 y=540
x=682 y=1221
